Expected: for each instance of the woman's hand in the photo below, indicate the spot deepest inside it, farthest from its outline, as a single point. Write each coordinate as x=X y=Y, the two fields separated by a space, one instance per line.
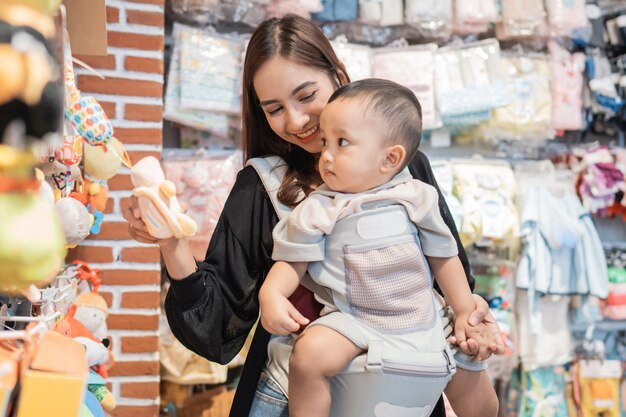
x=136 y=226
x=492 y=342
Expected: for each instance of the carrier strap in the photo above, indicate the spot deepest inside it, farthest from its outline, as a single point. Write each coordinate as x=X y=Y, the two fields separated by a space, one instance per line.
x=271 y=170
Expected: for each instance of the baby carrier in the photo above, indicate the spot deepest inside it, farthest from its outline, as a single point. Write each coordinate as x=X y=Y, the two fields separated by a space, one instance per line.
x=389 y=379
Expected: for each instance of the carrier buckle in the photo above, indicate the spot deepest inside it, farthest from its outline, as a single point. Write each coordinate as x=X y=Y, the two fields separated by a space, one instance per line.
x=374 y=357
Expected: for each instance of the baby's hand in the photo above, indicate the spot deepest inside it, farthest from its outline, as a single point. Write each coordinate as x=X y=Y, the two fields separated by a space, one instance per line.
x=279 y=316
x=478 y=337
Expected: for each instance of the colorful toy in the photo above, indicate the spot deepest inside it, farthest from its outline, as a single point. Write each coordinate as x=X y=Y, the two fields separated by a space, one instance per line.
x=91 y=310
x=159 y=206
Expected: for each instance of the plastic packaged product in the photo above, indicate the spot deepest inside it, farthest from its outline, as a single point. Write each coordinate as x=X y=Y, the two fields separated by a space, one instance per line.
x=413 y=67
x=469 y=79
x=432 y=17
x=337 y=10
x=567 y=84
x=529 y=112
x=216 y=123
x=564 y=16
x=522 y=18
x=357 y=58
x=476 y=11
x=381 y=12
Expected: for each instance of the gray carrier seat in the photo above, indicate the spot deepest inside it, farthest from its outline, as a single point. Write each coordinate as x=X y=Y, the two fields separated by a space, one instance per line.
x=399 y=375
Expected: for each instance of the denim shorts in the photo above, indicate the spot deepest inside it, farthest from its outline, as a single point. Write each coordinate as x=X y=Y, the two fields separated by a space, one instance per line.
x=269 y=401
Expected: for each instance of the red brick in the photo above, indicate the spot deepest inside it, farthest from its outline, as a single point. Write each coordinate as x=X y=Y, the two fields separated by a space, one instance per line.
x=108 y=297
x=133 y=63
x=98 y=254
x=97 y=62
x=135 y=411
x=135 y=41
x=113 y=14
x=112 y=231
x=108 y=209
x=109 y=109
x=140 y=344
x=132 y=322
x=140 y=17
x=139 y=390
x=143 y=112
x=120 y=182
x=139 y=136
x=141 y=254
x=135 y=368
x=119 y=86
x=144 y=299
x=129 y=277
x=137 y=155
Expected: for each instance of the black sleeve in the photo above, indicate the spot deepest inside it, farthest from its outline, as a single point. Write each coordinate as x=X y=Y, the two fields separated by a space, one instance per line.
x=212 y=311
x=420 y=169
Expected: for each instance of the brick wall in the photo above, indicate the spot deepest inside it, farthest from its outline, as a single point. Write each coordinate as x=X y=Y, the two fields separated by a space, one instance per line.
x=132 y=97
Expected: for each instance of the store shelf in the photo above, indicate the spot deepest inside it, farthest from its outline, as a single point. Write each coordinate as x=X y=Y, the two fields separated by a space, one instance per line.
x=604 y=325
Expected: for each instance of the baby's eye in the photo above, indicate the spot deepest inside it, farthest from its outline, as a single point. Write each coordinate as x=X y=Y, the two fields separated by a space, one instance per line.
x=323 y=142
x=343 y=142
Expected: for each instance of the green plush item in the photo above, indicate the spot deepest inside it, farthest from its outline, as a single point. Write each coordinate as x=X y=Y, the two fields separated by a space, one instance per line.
x=32 y=244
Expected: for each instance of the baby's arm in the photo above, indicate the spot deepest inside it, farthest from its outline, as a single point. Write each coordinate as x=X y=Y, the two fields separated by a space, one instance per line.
x=278 y=315
x=450 y=276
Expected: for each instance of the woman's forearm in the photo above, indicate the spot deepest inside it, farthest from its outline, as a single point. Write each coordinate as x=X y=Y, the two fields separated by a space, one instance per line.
x=177 y=258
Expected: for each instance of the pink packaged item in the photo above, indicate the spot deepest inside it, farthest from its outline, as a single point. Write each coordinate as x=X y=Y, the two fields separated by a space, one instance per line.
x=567 y=84
x=203 y=183
x=564 y=16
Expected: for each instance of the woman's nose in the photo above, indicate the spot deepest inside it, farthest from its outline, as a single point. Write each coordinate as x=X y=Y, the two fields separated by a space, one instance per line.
x=297 y=120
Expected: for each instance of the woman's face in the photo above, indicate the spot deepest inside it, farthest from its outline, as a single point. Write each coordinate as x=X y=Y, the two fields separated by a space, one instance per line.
x=292 y=97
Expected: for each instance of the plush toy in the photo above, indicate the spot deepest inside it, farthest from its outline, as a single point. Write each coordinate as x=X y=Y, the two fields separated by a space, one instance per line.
x=102 y=162
x=75 y=220
x=32 y=244
x=159 y=206
x=97 y=353
x=91 y=310
x=94 y=194
x=30 y=97
x=60 y=177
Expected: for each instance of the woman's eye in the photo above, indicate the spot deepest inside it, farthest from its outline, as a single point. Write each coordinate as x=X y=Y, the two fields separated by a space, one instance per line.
x=274 y=111
x=309 y=97
x=343 y=142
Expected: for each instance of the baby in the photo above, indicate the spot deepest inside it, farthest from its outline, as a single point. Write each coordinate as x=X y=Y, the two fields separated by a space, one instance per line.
x=371 y=235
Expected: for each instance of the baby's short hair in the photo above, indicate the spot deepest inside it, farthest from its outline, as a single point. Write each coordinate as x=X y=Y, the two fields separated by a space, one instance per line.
x=397 y=105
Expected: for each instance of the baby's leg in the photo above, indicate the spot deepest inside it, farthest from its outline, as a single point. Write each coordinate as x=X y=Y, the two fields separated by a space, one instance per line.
x=471 y=394
x=318 y=354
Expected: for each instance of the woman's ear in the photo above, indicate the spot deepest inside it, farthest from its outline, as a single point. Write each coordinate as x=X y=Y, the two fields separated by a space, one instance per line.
x=394 y=157
x=341 y=77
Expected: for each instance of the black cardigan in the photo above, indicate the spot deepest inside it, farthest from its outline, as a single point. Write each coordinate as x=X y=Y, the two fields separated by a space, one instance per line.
x=212 y=311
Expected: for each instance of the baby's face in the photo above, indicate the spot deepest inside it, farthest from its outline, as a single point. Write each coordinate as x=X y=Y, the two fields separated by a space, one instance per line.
x=353 y=150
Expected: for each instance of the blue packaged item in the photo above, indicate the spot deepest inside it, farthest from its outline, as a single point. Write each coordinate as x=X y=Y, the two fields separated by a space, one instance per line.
x=337 y=10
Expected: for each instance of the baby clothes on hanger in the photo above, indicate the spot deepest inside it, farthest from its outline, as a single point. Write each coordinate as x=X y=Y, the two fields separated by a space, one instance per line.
x=566 y=86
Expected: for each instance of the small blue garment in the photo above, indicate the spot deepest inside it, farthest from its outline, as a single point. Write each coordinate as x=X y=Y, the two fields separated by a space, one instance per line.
x=93 y=404
x=337 y=11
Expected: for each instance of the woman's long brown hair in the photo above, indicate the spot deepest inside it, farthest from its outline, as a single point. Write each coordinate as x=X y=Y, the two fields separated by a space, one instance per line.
x=297 y=39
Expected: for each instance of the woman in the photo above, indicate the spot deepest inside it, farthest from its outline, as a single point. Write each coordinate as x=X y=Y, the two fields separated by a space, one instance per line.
x=290 y=71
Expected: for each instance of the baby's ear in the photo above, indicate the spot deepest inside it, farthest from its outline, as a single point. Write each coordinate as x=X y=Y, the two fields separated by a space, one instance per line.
x=394 y=157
